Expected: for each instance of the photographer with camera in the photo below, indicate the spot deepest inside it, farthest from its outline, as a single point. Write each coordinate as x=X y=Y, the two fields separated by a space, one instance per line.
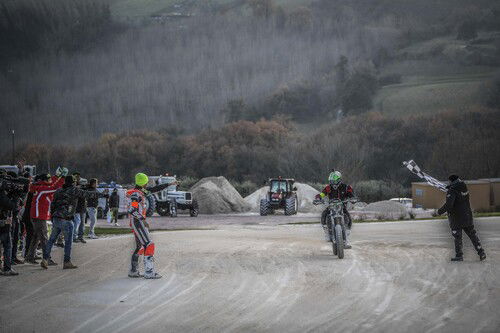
x=12 y=190
x=63 y=210
x=43 y=192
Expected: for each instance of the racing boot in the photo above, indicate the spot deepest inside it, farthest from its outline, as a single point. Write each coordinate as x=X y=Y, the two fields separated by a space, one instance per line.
x=149 y=268
x=134 y=267
x=135 y=274
x=347 y=244
x=482 y=256
x=457 y=258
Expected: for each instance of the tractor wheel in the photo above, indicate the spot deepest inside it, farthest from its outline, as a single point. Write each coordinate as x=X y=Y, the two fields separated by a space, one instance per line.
x=291 y=206
x=162 y=209
x=264 y=207
x=193 y=212
x=151 y=205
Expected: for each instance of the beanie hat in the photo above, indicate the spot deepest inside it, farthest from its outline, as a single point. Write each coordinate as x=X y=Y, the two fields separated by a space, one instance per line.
x=452 y=178
x=69 y=180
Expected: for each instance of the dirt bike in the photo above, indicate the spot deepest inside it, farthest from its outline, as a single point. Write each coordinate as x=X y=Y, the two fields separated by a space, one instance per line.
x=335 y=223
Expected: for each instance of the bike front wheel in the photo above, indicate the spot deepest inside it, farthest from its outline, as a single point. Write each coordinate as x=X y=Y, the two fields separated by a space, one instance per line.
x=339 y=242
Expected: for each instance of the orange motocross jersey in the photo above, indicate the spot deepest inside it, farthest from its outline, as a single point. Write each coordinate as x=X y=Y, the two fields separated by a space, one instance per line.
x=136 y=203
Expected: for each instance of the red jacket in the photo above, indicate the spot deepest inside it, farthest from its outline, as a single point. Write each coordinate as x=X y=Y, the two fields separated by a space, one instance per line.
x=43 y=193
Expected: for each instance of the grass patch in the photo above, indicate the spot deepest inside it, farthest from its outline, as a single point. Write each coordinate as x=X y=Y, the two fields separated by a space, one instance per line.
x=109 y=231
x=430 y=95
x=123 y=231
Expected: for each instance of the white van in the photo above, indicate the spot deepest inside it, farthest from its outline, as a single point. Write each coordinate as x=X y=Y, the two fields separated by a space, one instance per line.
x=407 y=202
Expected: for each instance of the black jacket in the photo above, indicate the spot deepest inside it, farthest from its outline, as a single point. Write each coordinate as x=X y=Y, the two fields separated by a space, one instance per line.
x=7 y=205
x=81 y=206
x=457 y=205
x=342 y=192
x=92 y=202
x=114 y=200
x=64 y=205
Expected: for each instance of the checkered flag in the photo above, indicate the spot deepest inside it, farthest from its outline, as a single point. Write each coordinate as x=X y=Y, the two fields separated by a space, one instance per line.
x=414 y=168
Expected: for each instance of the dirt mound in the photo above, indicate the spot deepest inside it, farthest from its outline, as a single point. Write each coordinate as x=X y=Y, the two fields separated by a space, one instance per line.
x=215 y=195
x=305 y=194
x=359 y=205
x=387 y=209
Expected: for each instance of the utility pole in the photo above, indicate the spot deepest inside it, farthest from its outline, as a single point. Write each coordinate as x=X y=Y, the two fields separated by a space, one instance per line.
x=13 y=147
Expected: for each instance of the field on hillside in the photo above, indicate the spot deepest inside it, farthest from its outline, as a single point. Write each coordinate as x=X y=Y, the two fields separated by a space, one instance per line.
x=143 y=8
x=430 y=94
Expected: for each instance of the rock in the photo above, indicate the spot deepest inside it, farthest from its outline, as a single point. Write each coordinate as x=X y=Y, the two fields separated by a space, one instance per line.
x=387 y=210
x=215 y=195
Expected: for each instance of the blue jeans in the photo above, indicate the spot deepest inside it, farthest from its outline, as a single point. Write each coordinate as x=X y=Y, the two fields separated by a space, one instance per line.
x=92 y=212
x=79 y=225
x=58 y=226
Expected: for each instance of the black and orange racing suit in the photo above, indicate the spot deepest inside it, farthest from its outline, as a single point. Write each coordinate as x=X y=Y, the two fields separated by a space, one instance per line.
x=144 y=244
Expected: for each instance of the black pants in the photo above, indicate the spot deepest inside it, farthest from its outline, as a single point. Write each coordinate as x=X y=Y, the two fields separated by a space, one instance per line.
x=28 y=226
x=142 y=240
x=39 y=237
x=471 y=232
x=5 y=239
x=15 y=229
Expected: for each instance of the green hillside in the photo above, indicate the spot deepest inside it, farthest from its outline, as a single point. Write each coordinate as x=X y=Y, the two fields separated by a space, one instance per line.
x=431 y=94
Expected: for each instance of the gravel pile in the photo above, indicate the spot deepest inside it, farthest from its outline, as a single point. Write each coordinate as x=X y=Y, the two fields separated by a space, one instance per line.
x=305 y=194
x=215 y=195
x=387 y=209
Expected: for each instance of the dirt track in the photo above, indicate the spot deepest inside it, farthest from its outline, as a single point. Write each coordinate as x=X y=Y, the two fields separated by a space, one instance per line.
x=396 y=278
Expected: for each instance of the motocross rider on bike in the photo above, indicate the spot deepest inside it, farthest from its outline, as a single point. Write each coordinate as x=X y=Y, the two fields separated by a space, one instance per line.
x=336 y=189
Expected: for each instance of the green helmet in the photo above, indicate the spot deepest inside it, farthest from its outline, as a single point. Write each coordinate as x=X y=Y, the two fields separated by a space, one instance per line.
x=141 y=179
x=334 y=177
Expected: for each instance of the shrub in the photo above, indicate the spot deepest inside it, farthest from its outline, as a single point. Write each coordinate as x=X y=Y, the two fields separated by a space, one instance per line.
x=376 y=190
x=467 y=31
x=388 y=79
x=245 y=188
x=186 y=182
x=492 y=92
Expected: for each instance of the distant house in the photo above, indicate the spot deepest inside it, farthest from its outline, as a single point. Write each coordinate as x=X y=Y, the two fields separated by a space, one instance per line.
x=484 y=195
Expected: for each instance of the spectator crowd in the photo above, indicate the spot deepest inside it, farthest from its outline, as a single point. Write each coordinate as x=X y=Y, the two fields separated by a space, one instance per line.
x=29 y=205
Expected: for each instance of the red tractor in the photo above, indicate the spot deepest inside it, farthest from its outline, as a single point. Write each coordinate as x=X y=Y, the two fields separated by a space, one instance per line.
x=281 y=195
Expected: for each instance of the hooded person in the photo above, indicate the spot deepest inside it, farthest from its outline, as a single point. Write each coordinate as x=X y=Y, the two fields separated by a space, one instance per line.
x=336 y=189
x=457 y=206
x=137 y=213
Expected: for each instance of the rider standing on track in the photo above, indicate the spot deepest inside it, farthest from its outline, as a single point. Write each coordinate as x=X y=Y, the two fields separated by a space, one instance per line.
x=137 y=213
x=336 y=189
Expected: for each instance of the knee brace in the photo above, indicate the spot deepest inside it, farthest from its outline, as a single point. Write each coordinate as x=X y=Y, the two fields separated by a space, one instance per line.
x=150 y=249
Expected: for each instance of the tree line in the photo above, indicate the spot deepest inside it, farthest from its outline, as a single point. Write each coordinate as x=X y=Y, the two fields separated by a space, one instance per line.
x=367 y=147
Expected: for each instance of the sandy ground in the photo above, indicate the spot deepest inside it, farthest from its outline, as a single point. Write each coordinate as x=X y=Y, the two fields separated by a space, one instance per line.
x=266 y=278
